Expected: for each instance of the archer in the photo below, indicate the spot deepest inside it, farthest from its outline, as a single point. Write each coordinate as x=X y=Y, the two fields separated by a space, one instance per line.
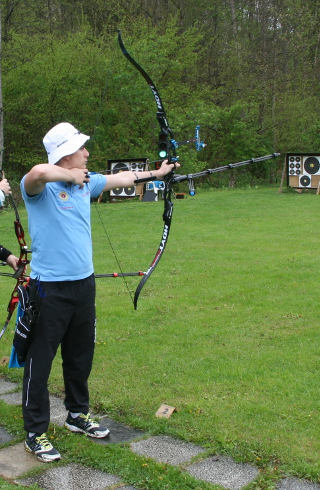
x=57 y=198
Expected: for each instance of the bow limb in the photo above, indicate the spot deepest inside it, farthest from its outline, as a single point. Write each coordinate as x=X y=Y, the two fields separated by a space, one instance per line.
x=14 y=300
x=167 y=215
x=166 y=137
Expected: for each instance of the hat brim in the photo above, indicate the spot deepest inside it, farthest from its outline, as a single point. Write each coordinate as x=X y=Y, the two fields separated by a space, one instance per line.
x=68 y=148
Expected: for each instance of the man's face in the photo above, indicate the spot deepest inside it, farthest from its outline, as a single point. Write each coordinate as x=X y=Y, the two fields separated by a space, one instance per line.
x=79 y=159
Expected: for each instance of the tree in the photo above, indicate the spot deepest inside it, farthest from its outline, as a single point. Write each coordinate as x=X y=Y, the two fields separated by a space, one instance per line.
x=1 y=102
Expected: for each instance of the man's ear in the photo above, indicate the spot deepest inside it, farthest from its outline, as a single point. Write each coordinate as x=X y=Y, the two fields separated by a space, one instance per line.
x=63 y=160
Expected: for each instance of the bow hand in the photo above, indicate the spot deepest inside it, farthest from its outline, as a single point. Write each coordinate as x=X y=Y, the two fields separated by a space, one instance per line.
x=166 y=168
x=13 y=261
x=161 y=173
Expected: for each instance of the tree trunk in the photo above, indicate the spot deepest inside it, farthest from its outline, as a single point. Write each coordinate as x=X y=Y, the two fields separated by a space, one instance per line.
x=1 y=104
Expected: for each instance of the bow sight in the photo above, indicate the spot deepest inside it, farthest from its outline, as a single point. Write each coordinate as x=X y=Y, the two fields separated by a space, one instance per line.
x=199 y=144
x=164 y=143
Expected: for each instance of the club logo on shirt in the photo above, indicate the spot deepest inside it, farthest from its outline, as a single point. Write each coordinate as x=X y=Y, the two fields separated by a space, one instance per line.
x=64 y=196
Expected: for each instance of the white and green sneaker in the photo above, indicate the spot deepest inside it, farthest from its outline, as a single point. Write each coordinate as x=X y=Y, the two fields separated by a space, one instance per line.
x=39 y=445
x=85 y=424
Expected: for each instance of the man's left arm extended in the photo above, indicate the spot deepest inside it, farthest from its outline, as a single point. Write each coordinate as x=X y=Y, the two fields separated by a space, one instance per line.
x=128 y=177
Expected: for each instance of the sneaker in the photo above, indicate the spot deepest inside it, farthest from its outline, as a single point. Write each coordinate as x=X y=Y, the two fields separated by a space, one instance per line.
x=83 y=423
x=42 y=448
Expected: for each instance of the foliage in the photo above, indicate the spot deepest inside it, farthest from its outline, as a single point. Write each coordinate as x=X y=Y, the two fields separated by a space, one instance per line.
x=247 y=72
x=46 y=83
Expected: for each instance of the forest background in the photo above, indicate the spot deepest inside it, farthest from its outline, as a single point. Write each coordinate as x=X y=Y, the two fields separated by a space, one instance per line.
x=247 y=71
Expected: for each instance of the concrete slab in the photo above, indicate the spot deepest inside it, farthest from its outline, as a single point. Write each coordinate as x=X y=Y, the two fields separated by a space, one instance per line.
x=5 y=436
x=165 y=449
x=6 y=386
x=223 y=471
x=58 y=412
x=15 y=461
x=72 y=477
x=12 y=398
x=296 y=484
x=118 y=432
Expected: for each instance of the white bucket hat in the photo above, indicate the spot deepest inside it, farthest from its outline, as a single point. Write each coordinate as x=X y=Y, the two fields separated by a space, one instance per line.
x=62 y=140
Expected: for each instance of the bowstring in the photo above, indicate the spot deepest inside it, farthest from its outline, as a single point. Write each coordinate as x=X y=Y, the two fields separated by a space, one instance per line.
x=113 y=250
x=92 y=140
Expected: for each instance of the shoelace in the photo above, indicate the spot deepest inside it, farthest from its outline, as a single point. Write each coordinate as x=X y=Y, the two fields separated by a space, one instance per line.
x=43 y=440
x=89 y=420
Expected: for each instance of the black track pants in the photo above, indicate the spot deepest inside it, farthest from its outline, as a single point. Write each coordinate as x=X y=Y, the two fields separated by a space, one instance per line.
x=67 y=317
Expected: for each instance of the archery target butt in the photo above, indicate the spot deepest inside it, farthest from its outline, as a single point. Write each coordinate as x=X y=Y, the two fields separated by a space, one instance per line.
x=307 y=181
x=303 y=170
x=133 y=164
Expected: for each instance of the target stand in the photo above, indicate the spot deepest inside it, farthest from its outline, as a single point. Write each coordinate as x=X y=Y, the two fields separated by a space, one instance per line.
x=303 y=171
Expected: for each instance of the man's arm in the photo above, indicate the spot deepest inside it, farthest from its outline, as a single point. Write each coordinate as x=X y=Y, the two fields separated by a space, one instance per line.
x=39 y=175
x=127 y=178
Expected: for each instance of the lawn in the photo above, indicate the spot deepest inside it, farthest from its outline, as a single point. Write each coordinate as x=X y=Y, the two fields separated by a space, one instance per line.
x=226 y=329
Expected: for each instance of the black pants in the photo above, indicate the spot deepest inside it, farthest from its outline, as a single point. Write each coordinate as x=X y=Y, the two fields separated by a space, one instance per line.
x=67 y=317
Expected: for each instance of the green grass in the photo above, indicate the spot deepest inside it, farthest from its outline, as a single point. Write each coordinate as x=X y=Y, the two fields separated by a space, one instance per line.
x=226 y=329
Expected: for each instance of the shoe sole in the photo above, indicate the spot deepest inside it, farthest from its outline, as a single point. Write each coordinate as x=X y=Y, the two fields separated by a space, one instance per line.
x=42 y=458
x=74 y=428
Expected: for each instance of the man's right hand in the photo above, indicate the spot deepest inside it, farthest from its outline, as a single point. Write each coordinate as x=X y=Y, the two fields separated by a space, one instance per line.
x=80 y=176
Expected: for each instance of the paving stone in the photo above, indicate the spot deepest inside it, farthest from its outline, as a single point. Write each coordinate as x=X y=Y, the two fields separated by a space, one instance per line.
x=296 y=484
x=5 y=436
x=15 y=461
x=12 y=398
x=165 y=449
x=6 y=386
x=72 y=477
x=223 y=471
x=58 y=412
x=118 y=432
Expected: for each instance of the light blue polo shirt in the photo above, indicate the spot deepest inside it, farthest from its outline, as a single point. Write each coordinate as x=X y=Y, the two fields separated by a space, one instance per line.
x=60 y=229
